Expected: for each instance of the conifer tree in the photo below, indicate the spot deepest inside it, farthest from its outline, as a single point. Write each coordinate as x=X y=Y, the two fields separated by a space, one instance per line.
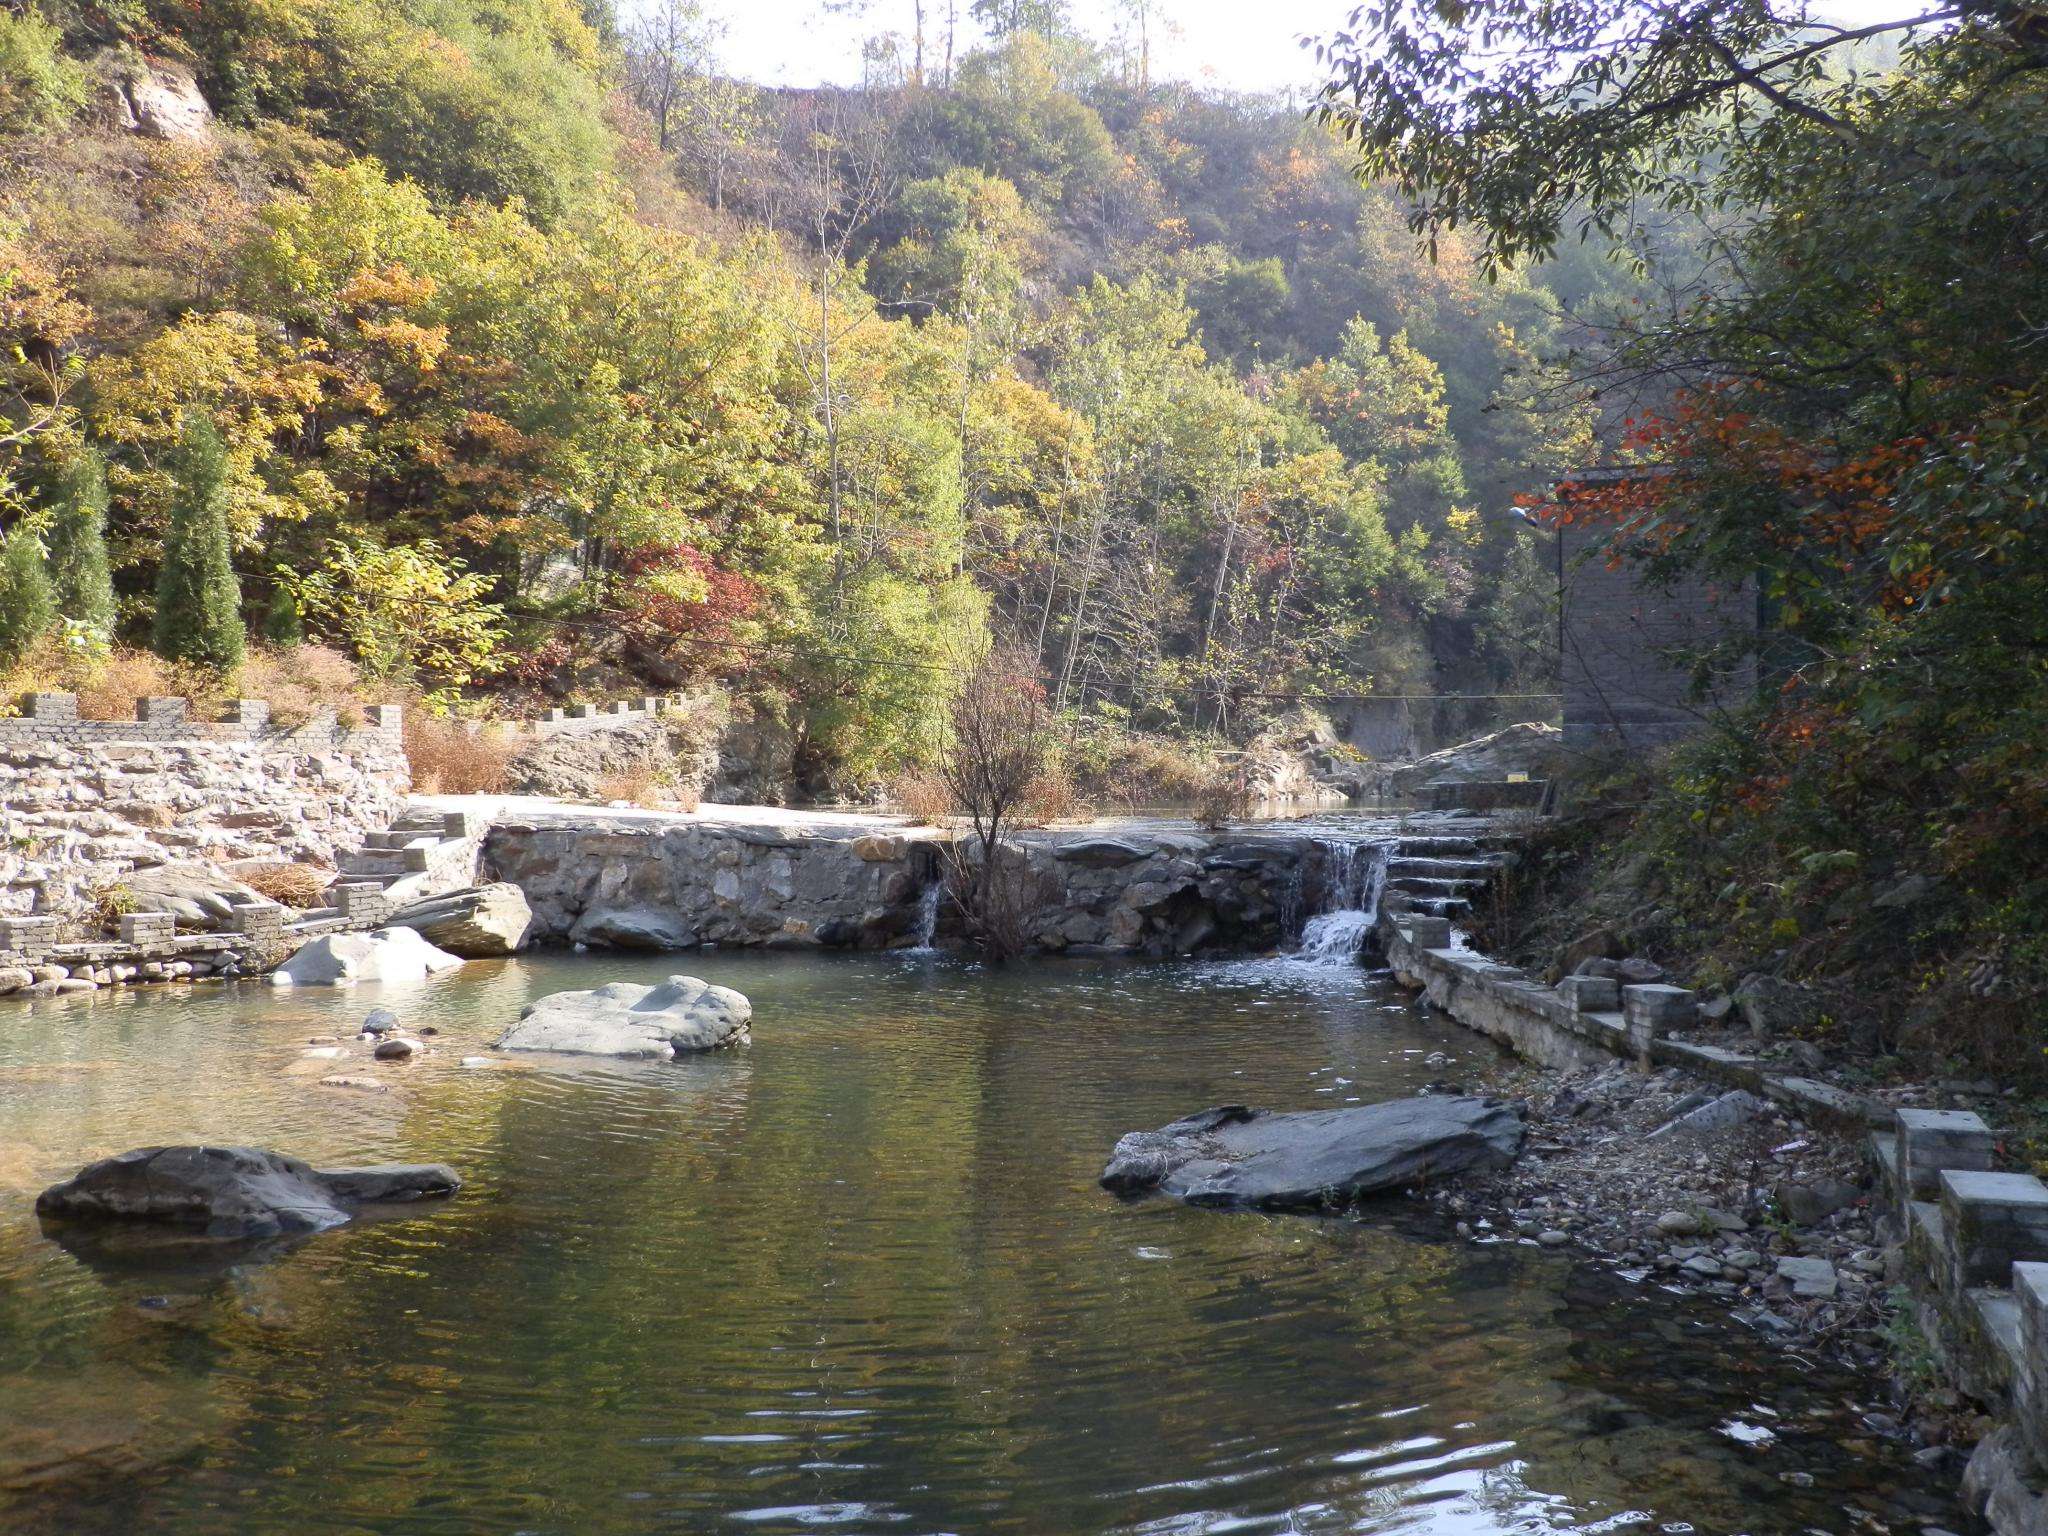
x=79 y=571
x=282 y=624
x=27 y=607
x=198 y=600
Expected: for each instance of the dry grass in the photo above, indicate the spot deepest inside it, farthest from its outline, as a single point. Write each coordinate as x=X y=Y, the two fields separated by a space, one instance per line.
x=456 y=757
x=301 y=886
x=1052 y=796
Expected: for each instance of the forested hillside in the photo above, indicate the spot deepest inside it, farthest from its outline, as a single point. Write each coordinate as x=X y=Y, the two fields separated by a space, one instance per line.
x=512 y=348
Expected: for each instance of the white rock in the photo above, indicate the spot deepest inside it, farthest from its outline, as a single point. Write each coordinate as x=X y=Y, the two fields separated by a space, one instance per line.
x=341 y=959
x=620 y=1019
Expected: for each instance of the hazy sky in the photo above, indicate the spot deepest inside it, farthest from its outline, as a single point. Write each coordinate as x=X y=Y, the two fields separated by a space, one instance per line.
x=1248 y=45
x=1245 y=44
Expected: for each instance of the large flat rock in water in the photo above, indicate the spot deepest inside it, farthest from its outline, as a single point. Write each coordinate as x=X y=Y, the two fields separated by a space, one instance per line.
x=1234 y=1156
x=675 y=1017
x=234 y=1192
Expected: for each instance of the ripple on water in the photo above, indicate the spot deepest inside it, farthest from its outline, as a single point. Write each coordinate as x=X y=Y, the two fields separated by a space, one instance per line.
x=856 y=1277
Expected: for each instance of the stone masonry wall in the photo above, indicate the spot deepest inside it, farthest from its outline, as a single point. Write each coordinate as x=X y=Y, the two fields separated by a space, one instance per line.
x=1619 y=680
x=670 y=885
x=85 y=802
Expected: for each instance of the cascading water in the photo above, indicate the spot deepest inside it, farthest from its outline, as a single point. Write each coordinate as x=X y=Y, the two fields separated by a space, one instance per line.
x=928 y=916
x=1355 y=876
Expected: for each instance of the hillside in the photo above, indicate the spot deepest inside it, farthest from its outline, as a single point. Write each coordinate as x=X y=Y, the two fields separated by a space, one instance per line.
x=544 y=359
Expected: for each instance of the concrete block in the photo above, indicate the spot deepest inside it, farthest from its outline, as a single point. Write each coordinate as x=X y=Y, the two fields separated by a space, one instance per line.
x=386 y=717
x=557 y=715
x=582 y=711
x=622 y=707
x=160 y=710
x=1590 y=994
x=147 y=927
x=253 y=713
x=1992 y=1221
x=1429 y=932
x=60 y=708
x=1929 y=1141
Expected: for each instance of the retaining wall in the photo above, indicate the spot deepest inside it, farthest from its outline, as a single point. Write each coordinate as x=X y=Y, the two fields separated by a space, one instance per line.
x=89 y=802
x=1973 y=1241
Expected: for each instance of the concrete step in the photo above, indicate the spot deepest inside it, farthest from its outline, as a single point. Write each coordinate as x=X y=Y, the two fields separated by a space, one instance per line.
x=366 y=863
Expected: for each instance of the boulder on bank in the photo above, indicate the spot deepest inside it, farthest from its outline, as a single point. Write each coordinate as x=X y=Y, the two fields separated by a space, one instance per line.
x=676 y=1017
x=342 y=959
x=199 y=897
x=234 y=1192
x=1234 y=1156
x=480 y=922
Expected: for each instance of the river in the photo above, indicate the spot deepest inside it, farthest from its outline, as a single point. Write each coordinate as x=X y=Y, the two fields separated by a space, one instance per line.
x=857 y=1277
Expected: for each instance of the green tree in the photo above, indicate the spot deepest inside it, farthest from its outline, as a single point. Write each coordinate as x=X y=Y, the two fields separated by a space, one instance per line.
x=28 y=608
x=198 y=599
x=79 y=571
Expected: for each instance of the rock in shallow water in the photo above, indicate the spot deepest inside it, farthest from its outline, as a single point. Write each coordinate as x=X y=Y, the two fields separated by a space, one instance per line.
x=234 y=1192
x=682 y=1014
x=341 y=959
x=1234 y=1156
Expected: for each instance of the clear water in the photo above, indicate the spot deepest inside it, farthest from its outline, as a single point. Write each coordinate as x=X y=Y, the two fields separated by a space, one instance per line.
x=855 y=1278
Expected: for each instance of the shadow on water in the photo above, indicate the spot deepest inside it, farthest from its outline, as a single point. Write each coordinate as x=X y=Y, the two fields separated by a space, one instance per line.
x=856 y=1278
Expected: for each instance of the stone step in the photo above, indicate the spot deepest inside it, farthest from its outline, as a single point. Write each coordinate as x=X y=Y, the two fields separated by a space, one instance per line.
x=1440 y=906
x=1423 y=885
x=365 y=863
x=1444 y=869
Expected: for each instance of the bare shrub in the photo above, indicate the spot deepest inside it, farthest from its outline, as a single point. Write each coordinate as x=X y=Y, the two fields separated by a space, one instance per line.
x=1052 y=796
x=302 y=886
x=456 y=757
x=1224 y=795
x=998 y=739
x=922 y=795
x=635 y=786
x=297 y=681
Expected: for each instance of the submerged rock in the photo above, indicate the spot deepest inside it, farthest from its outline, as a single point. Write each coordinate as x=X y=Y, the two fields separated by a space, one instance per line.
x=233 y=1192
x=1234 y=1156
x=680 y=1015
x=341 y=959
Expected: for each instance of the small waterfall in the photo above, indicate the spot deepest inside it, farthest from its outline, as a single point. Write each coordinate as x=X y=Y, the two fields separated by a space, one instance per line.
x=1355 y=877
x=928 y=916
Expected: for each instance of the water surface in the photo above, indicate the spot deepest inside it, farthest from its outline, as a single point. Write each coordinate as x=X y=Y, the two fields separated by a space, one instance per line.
x=855 y=1278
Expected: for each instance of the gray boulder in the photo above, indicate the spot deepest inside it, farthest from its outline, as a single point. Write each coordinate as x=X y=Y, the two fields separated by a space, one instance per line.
x=654 y=928
x=1234 y=1156
x=234 y=1192
x=678 y=1016
x=477 y=923
x=1771 y=1005
x=198 y=896
x=343 y=959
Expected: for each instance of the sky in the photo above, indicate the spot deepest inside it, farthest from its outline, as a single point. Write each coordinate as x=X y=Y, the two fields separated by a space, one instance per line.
x=1245 y=45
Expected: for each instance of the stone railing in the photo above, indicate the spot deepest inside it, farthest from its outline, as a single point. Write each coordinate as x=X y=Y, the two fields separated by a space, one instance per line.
x=582 y=719
x=53 y=718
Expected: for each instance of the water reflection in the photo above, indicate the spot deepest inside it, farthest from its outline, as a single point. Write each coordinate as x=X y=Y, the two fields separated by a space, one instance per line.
x=856 y=1278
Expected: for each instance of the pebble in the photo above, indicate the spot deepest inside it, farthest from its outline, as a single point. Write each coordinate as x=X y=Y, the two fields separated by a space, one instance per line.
x=324 y=1053
x=395 y=1048
x=365 y=1084
x=382 y=1021
x=1552 y=1238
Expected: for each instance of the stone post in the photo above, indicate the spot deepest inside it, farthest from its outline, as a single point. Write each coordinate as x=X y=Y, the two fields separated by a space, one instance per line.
x=57 y=708
x=1991 y=1221
x=145 y=928
x=1931 y=1141
x=31 y=937
x=1651 y=1012
x=1590 y=994
x=363 y=905
x=160 y=711
x=1429 y=932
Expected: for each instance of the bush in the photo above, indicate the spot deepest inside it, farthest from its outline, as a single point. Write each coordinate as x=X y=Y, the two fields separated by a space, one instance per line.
x=79 y=572
x=456 y=757
x=921 y=794
x=28 y=608
x=39 y=87
x=1225 y=795
x=198 y=599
